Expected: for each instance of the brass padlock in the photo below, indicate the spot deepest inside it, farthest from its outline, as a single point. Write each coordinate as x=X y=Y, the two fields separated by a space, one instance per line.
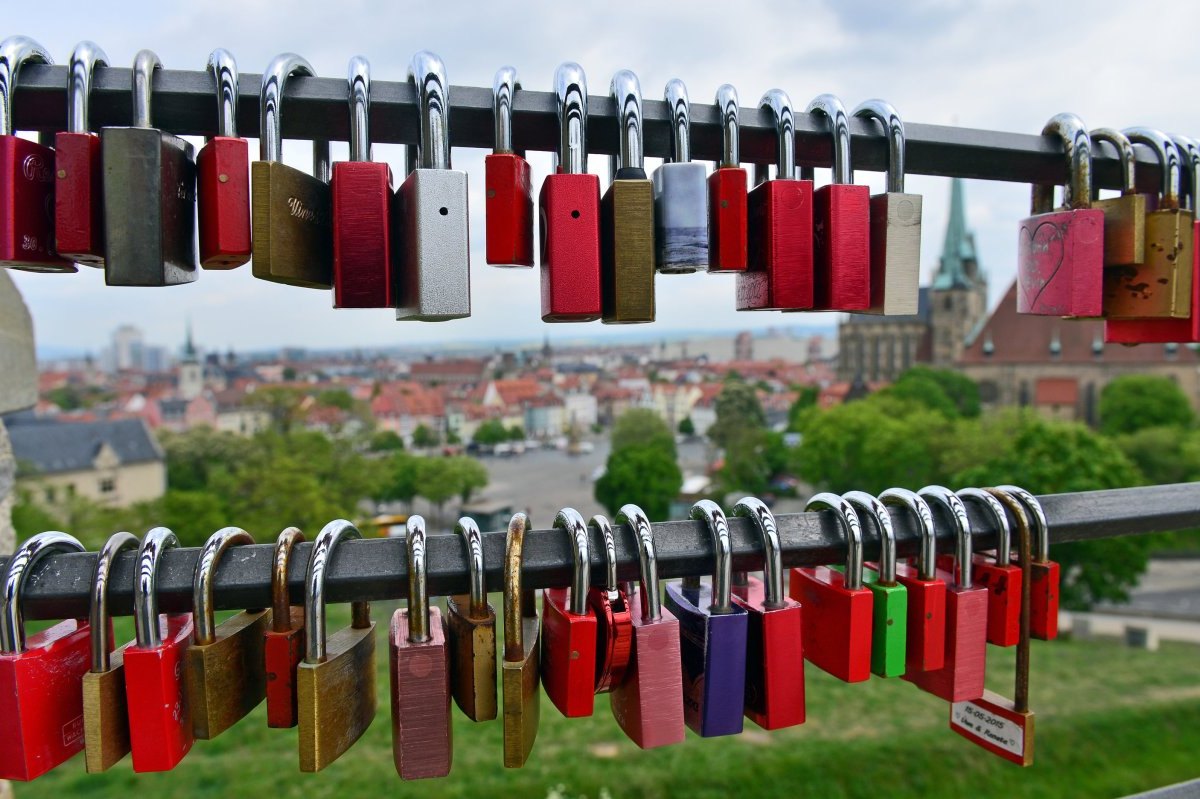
x=335 y=685
x=1124 y=216
x=471 y=634
x=520 y=672
x=226 y=672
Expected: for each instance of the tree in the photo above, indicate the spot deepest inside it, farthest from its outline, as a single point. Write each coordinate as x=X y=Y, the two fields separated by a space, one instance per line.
x=516 y=433
x=194 y=455
x=283 y=406
x=647 y=476
x=740 y=430
x=1163 y=454
x=687 y=427
x=960 y=389
x=923 y=391
x=438 y=479
x=642 y=427
x=386 y=441
x=802 y=408
x=401 y=481
x=1133 y=402
x=738 y=409
x=336 y=398
x=472 y=476
x=195 y=515
x=424 y=437
x=490 y=433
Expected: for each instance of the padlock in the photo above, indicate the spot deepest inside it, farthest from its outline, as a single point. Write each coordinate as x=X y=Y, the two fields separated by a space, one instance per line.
x=895 y=234
x=610 y=606
x=889 y=628
x=105 y=707
x=508 y=188
x=627 y=232
x=419 y=667
x=283 y=644
x=293 y=235
x=149 y=184
x=926 y=646
x=363 y=269
x=680 y=195
x=1124 y=216
x=160 y=719
x=779 y=271
x=961 y=675
x=1045 y=573
x=774 y=651
x=1060 y=252
x=26 y=175
x=471 y=634
x=1162 y=285
x=335 y=683
x=648 y=702
x=569 y=629
x=226 y=667
x=41 y=701
x=78 y=205
x=431 y=210
x=519 y=669
x=1001 y=579
x=569 y=206
x=223 y=177
x=712 y=636
x=727 y=192
x=1001 y=726
x=837 y=607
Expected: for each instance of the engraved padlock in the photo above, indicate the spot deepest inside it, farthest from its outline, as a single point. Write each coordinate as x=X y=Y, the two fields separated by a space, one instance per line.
x=1124 y=216
x=680 y=195
x=508 y=189
x=926 y=627
x=78 y=203
x=727 y=192
x=471 y=634
x=223 y=176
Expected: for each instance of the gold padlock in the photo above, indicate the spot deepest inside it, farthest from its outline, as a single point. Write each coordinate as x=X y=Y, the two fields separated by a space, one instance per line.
x=471 y=634
x=521 y=678
x=1124 y=216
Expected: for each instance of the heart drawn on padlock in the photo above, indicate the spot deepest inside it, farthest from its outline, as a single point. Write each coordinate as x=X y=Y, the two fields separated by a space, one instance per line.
x=1040 y=256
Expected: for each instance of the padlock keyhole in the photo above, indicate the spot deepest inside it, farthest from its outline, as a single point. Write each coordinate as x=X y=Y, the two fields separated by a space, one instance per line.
x=444 y=211
x=575 y=214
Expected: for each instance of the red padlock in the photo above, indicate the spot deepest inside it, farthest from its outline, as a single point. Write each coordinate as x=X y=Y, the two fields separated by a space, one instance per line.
x=842 y=224
x=26 y=175
x=999 y=576
x=610 y=606
x=774 y=643
x=838 y=608
x=160 y=721
x=223 y=177
x=926 y=646
x=283 y=648
x=1044 y=573
x=727 y=194
x=779 y=271
x=78 y=202
x=569 y=629
x=41 y=680
x=363 y=270
x=507 y=186
x=569 y=206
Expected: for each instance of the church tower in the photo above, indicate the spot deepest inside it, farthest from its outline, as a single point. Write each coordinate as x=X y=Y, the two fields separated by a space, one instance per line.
x=191 y=371
x=958 y=294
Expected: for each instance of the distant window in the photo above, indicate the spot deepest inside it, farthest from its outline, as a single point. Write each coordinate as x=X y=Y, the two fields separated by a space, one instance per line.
x=989 y=391
x=51 y=494
x=947 y=303
x=70 y=489
x=108 y=485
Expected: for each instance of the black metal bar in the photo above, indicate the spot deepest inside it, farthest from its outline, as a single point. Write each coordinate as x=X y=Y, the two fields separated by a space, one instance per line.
x=184 y=102
x=374 y=569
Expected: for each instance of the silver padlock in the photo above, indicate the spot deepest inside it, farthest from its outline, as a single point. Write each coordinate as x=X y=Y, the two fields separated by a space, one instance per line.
x=680 y=195
x=435 y=270
x=895 y=225
x=149 y=180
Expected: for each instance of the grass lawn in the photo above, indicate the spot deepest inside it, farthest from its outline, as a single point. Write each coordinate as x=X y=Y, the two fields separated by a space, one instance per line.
x=1110 y=721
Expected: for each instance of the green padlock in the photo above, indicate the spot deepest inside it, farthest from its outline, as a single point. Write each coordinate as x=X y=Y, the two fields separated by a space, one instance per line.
x=889 y=627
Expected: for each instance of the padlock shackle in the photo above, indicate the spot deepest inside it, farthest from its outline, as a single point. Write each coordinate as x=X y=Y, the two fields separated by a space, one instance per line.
x=643 y=533
x=676 y=96
x=1169 y=161
x=780 y=105
x=145 y=600
x=626 y=92
x=98 y=617
x=473 y=543
x=919 y=508
x=358 y=80
x=517 y=604
x=84 y=58
x=504 y=90
x=570 y=107
x=963 y=544
x=418 y=594
x=203 y=577
x=1024 y=552
x=1077 y=147
x=1189 y=149
x=223 y=67
x=763 y=520
x=270 y=112
x=568 y=519
x=996 y=510
x=851 y=526
x=871 y=508
x=330 y=536
x=714 y=519
x=604 y=528
x=427 y=73
x=1125 y=155
x=281 y=603
x=15 y=52
x=1039 y=525
x=12 y=623
x=727 y=106
x=893 y=128
x=144 y=65
x=830 y=106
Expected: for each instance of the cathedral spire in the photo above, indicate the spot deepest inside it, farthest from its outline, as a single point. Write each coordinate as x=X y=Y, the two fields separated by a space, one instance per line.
x=959 y=266
x=189 y=346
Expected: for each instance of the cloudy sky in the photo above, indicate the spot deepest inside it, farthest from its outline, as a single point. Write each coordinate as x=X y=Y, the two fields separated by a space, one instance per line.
x=1007 y=65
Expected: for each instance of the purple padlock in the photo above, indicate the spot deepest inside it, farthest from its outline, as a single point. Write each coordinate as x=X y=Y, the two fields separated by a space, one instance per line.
x=712 y=637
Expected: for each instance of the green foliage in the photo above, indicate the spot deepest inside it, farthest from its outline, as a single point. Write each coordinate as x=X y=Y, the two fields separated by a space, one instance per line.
x=490 y=433
x=942 y=390
x=72 y=398
x=516 y=433
x=400 y=478
x=738 y=410
x=195 y=515
x=687 y=427
x=1134 y=402
x=438 y=479
x=924 y=392
x=283 y=405
x=1163 y=454
x=642 y=427
x=336 y=398
x=472 y=476
x=647 y=476
x=424 y=437
x=802 y=408
x=386 y=441
x=195 y=456
x=30 y=518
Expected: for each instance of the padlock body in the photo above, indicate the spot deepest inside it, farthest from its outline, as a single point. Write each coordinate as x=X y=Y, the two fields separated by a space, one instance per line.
x=926 y=646
x=508 y=192
x=1003 y=584
x=78 y=200
x=842 y=247
x=774 y=659
x=889 y=626
x=680 y=217
x=160 y=719
x=363 y=275
x=837 y=622
x=105 y=716
x=614 y=637
x=648 y=702
x=1161 y=287
x=1043 y=599
x=627 y=249
x=727 y=198
x=336 y=697
x=961 y=675
x=227 y=679
x=290 y=217
x=712 y=651
x=993 y=723
x=282 y=653
x=1124 y=229
x=27 y=207
x=1161 y=331
x=223 y=202
x=472 y=646
x=420 y=677
x=41 y=701
x=569 y=206
x=1060 y=263
x=779 y=271
x=435 y=267
x=568 y=654
x=895 y=253
x=522 y=700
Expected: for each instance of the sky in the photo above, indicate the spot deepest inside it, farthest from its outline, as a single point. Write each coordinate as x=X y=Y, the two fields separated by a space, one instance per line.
x=1005 y=65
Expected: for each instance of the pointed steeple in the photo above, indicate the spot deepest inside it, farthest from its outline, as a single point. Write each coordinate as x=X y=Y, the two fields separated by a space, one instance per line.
x=189 y=347
x=959 y=266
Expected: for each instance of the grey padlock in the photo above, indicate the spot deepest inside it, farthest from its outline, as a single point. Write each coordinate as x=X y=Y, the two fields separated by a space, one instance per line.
x=680 y=196
x=431 y=205
x=149 y=186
